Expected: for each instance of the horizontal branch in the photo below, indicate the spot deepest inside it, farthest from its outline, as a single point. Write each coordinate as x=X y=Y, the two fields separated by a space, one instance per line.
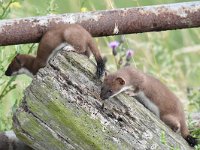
x=62 y=109
x=105 y=23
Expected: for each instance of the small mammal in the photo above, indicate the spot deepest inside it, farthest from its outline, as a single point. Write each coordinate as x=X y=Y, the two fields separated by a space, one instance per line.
x=153 y=94
x=9 y=141
x=53 y=40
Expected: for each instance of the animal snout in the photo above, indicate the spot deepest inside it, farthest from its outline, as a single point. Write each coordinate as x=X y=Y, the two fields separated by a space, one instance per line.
x=103 y=96
x=8 y=72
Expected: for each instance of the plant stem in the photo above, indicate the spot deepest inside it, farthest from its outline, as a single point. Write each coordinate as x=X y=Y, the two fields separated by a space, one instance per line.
x=116 y=62
x=6 y=8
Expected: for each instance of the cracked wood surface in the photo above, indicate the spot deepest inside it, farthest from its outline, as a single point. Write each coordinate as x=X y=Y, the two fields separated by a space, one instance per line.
x=62 y=110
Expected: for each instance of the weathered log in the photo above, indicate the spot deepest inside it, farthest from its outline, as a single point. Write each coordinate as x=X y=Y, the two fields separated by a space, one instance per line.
x=107 y=22
x=62 y=110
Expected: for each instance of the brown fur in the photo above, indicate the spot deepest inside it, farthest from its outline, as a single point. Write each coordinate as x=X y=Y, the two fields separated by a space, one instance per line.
x=170 y=108
x=72 y=34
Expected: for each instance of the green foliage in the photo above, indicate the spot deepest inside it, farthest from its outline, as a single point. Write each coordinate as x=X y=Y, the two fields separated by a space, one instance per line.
x=194 y=98
x=197 y=147
x=6 y=85
x=163 y=138
x=194 y=103
x=164 y=141
x=5 y=8
x=171 y=56
x=11 y=88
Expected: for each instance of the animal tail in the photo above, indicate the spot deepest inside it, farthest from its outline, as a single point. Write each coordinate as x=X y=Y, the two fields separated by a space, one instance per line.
x=185 y=133
x=98 y=58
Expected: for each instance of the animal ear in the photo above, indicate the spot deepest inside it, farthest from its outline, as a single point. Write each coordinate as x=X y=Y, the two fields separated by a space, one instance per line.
x=120 y=80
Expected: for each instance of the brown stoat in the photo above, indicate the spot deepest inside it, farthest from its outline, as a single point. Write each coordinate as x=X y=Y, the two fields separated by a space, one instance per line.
x=152 y=93
x=53 y=40
x=9 y=141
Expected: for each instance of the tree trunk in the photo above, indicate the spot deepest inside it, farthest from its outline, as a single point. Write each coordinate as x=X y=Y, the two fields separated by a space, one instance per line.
x=62 y=110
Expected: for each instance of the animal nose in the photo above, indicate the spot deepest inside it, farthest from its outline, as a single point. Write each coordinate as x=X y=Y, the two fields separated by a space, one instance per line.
x=102 y=96
x=8 y=72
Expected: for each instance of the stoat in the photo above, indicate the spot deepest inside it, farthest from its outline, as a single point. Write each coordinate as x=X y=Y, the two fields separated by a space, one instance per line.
x=153 y=94
x=52 y=41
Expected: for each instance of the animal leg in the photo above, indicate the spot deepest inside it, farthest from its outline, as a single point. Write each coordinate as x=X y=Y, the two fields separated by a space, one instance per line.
x=37 y=65
x=172 y=122
x=69 y=48
x=87 y=53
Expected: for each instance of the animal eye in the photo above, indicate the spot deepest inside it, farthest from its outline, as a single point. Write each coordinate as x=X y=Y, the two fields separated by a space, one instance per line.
x=110 y=91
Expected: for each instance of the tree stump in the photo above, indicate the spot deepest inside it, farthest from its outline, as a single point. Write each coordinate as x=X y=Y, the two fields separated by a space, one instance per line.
x=62 y=109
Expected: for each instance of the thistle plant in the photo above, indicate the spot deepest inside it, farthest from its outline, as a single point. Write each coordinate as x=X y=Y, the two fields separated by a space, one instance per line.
x=122 y=55
x=114 y=46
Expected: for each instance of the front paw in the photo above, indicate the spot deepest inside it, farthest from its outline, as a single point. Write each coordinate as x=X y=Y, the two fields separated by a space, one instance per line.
x=69 y=48
x=130 y=93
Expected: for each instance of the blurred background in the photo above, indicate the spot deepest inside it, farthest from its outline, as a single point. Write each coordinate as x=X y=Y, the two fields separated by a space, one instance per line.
x=171 y=56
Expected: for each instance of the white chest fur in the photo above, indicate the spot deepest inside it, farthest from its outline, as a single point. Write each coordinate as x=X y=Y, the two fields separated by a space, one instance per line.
x=140 y=96
x=11 y=135
x=123 y=89
x=23 y=71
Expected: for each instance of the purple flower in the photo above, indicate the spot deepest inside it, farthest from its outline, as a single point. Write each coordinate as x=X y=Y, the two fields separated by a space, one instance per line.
x=114 y=45
x=129 y=54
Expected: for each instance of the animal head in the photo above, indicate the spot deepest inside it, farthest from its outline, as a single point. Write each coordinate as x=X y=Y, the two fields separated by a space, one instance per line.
x=112 y=86
x=15 y=66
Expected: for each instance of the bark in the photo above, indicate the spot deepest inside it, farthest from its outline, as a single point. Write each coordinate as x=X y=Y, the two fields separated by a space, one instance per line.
x=62 y=110
x=105 y=23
